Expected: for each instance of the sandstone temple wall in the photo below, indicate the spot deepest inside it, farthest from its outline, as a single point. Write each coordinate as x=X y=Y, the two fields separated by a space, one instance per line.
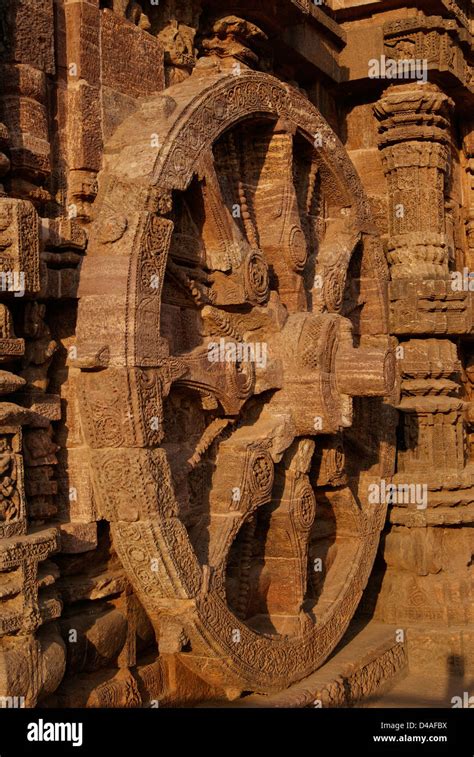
x=177 y=176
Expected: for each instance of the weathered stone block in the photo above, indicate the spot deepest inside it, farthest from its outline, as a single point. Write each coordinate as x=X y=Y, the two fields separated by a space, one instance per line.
x=75 y=497
x=83 y=42
x=23 y=46
x=85 y=140
x=132 y=59
x=19 y=247
x=77 y=537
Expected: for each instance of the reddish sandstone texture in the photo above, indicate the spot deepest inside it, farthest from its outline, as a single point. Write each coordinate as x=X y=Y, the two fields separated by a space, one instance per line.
x=236 y=316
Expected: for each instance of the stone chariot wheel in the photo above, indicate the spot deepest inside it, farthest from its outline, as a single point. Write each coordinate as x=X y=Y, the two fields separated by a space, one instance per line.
x=232 y=364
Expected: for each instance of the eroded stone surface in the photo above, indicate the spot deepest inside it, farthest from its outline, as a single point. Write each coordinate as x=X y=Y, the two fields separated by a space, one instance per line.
x=235 y=337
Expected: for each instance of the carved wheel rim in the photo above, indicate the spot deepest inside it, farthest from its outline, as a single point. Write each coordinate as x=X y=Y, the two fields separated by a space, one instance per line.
x=178 y=136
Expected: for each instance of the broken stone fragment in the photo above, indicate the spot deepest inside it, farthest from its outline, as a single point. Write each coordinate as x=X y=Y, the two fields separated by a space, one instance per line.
x=9 y=382
x=14 y=415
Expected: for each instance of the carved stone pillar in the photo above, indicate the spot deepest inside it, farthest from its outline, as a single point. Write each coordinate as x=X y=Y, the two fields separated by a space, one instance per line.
x=4 y=159
x=414 y=136
x=29 y=599
x=432 y=441
x=426 y=579
x=468 y=144
x=26 y=61
x=415 y=145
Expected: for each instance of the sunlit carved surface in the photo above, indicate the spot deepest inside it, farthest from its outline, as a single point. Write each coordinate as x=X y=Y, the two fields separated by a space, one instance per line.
x=235 y=345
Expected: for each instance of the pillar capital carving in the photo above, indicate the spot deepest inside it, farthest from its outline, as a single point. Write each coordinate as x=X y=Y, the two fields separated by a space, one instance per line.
x=414 y=139
x=413 y=112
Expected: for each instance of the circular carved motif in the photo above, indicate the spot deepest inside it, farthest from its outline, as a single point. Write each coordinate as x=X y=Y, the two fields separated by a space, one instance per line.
x=305 y=506
x=113 y=228
x=334 y=286
x=247 y=451
x=262 y=473
x=298 y=250
x=256 y=276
